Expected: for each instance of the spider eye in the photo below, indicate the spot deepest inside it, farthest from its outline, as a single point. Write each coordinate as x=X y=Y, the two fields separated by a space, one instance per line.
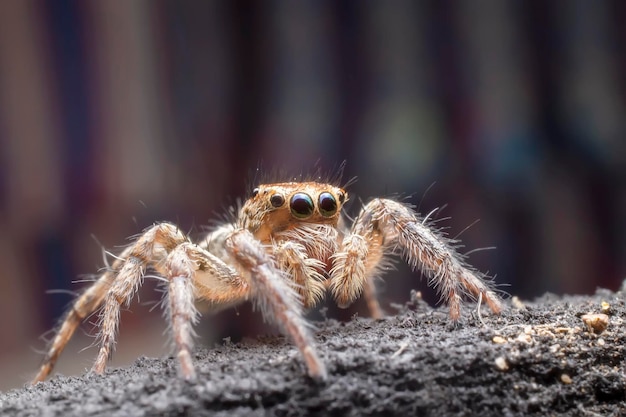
x=301 y=205
x=342 y=197
x=255 y=192
x=277 y=200
x=327 y=204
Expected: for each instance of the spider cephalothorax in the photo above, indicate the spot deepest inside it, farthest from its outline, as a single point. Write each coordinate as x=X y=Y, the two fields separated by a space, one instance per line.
x=287 y=247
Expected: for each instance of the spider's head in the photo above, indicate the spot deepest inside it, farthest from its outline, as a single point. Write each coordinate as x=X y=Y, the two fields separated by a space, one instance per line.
x=278 y=207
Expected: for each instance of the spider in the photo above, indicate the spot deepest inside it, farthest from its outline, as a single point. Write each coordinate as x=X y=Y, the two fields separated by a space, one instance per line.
x=288 y=246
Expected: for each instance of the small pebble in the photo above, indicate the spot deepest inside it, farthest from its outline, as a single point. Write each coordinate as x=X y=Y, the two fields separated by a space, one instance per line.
x=517 y=303
x=596 y=323
x=605 y=307
x=501 y=363
x=498 y=339
x=566 y=379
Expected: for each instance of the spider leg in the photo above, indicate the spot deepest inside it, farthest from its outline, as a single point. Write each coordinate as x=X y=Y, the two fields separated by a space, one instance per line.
x=387 y=223
x=149 y=248
x=356 y=263
x=278 y=300
x=120 y=280
x=195 y=273
x=180 y=269
x=292 y=258
x=84 y=306
x=371 y=299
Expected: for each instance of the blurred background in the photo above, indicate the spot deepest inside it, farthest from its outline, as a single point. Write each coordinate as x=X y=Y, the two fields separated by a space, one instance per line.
x=115 y=115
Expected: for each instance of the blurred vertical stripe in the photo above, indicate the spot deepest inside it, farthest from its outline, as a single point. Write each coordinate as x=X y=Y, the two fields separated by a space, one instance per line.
x=127 y=110
x=33 y=155
x=66 y=30
x=31 y=163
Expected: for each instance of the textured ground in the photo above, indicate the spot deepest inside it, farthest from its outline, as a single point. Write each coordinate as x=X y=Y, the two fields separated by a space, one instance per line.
x=535 y=359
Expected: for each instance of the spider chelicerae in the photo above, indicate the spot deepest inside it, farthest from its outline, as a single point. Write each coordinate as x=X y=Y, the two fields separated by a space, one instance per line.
x=288 y=246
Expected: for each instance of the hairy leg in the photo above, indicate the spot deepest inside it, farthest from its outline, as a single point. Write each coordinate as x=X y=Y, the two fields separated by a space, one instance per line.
x=278 y=300
x=82 y=308
x=356 y=264
x=149 y=248
x=390 y=224
x=180 y=269
x=194 y=273
x=371 y=298
x=114 y=285
x=292 y=258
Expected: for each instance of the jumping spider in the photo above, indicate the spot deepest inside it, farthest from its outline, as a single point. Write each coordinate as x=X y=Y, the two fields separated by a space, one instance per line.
x=287 y=247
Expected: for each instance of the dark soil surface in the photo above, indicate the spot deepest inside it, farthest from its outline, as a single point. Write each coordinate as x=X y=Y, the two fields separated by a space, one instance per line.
x=539 y=358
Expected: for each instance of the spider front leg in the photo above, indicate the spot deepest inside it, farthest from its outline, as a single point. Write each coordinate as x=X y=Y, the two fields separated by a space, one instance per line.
x=386 y=226
x=278 y=300
x=355 y=265
x=292 y=258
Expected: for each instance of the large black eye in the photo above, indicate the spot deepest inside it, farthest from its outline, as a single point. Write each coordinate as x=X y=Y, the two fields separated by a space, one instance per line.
x=327 y=204
x=277 y=200
x=301 y=205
